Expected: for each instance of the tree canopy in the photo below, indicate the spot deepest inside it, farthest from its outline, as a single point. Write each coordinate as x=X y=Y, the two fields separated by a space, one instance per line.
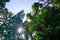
x=45 y=22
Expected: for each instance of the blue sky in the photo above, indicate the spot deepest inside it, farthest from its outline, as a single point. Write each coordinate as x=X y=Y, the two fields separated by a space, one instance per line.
x=17 y=5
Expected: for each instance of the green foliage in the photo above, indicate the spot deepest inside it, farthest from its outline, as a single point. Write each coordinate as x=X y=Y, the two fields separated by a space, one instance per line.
x=45 y=22
x=51 y=16
x=3 y=2
x=35 y=7
x=38 y=35
x=29 y=16
x=5 y=15
x=4 y=11
x=55 y=1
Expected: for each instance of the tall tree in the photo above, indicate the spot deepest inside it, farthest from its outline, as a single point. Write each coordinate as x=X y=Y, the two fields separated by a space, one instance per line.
x=4 y=15
x=45 y=23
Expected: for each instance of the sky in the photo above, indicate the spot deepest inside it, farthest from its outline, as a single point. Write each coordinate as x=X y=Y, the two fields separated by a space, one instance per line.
x=16 y=6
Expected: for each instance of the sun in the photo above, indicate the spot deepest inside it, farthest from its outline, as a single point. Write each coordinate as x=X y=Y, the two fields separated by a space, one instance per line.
x=20 y=30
